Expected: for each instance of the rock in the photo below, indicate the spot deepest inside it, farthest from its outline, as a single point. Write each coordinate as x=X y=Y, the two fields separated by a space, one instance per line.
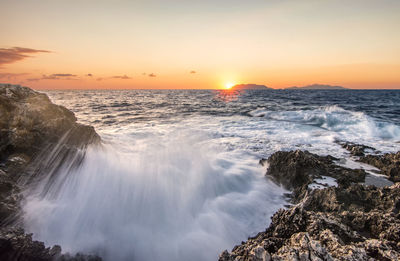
x=30 y=123
x=295 y=170
x=15 y=244
x=32 y=129
x=354 y=148
x=389 y=164
x=348 y=222
x=347 y=227
x=9 y=198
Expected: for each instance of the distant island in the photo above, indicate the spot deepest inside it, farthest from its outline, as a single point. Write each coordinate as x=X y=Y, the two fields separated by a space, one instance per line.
x=250 y=87
x=317 y=87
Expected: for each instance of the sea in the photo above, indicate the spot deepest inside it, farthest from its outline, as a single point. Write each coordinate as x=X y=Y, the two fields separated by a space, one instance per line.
x=177 y=176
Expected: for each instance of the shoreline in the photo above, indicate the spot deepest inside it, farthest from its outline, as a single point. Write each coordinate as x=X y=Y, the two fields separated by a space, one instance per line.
x=319 y=224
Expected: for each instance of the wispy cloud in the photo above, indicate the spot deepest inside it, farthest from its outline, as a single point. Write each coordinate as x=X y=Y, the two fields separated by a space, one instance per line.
x=89 y=75
x=14 y=54
x=152 y=75
x=63 y=75
x=124 y=77
x=59 y=76
x=192 y=72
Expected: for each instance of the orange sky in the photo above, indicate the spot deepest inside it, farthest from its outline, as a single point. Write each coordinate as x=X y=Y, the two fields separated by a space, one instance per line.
x=199 y=44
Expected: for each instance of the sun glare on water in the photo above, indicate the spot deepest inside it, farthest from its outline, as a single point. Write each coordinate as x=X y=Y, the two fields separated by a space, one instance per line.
x=229 y=85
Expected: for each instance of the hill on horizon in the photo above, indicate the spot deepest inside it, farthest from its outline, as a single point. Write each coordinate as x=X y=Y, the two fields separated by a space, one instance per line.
x=250 y=86
x=317 y=87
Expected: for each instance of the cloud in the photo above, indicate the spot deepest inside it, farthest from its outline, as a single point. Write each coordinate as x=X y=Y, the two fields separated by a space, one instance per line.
x=63 y=75
x=124 y=77
x=152 y=75
x=14 y=54
x=11 y=76
x=59 y=76
x=89 y=75
x=192 y=72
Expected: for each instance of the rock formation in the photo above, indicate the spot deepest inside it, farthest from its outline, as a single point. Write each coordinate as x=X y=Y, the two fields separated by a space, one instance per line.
x=389 y=164
x=295 y=170
x=348 y=222
x=30 y=127
x=250 y=86
x=317 y=86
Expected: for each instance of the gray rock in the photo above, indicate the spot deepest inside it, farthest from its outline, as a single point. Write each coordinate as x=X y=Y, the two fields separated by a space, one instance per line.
x=389 y=164
x=295 y=170
x=348 y=222
x=15 y=244
x=31 y=127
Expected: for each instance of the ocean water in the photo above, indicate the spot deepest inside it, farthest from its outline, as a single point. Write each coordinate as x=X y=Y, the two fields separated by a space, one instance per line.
x=177 y=176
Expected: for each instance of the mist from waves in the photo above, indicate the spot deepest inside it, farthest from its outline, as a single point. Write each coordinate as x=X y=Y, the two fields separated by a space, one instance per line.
x=160 y=193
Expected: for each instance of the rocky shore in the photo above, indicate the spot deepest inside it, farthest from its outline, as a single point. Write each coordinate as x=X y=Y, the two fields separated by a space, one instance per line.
x=31 y=127
x=331 y=213
x=349 y=221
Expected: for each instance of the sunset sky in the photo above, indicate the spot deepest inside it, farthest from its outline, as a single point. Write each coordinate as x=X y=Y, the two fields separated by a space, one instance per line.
x=54 y=44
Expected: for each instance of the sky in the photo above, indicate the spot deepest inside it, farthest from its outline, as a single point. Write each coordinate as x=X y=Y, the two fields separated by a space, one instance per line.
x=121 y=44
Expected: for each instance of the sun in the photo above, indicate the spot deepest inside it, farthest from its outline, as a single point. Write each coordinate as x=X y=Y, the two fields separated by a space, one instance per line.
x=229 y=85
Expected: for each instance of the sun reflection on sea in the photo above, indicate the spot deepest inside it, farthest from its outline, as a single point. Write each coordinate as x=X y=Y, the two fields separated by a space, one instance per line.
x=227 y=95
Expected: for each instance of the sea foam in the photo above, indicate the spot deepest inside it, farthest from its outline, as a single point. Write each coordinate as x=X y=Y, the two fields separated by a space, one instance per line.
x=164 y=194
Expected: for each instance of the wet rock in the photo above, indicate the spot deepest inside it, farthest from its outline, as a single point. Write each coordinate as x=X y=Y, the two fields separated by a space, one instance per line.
x=31 y=124
x=295 y=170
x=31 y=128
x=355 y=149
x=9 y=198
x=348 y=222
x=389 y=164
x=15 y=244
x=332 y=224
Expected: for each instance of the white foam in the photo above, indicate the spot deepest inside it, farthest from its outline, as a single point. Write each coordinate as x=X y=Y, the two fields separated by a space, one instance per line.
x=156 y=193
x=333 y=122
x=323 y=182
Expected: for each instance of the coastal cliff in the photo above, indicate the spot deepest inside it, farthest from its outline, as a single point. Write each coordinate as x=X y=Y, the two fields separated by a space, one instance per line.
x=350 y=221
x=30 y=128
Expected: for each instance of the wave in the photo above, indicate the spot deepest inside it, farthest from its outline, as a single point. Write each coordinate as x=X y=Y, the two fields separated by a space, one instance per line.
x=349 y=124
x=154 y=196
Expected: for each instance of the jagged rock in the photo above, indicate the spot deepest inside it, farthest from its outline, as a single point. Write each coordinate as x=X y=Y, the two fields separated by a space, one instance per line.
x=358 y=223
x=9 y=197
x=15 y=244
x=295 y=170
x=31 y=123
x=354 y=148
x=348 y=222
x=31 y=127
x=388 y=163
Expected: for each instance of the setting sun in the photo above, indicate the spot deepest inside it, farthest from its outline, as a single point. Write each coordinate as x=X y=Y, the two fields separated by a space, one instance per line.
x=229 y=85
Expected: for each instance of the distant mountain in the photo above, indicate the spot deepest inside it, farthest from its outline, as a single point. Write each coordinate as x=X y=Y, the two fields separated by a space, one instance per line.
x=317 y=87
x=250 y=87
